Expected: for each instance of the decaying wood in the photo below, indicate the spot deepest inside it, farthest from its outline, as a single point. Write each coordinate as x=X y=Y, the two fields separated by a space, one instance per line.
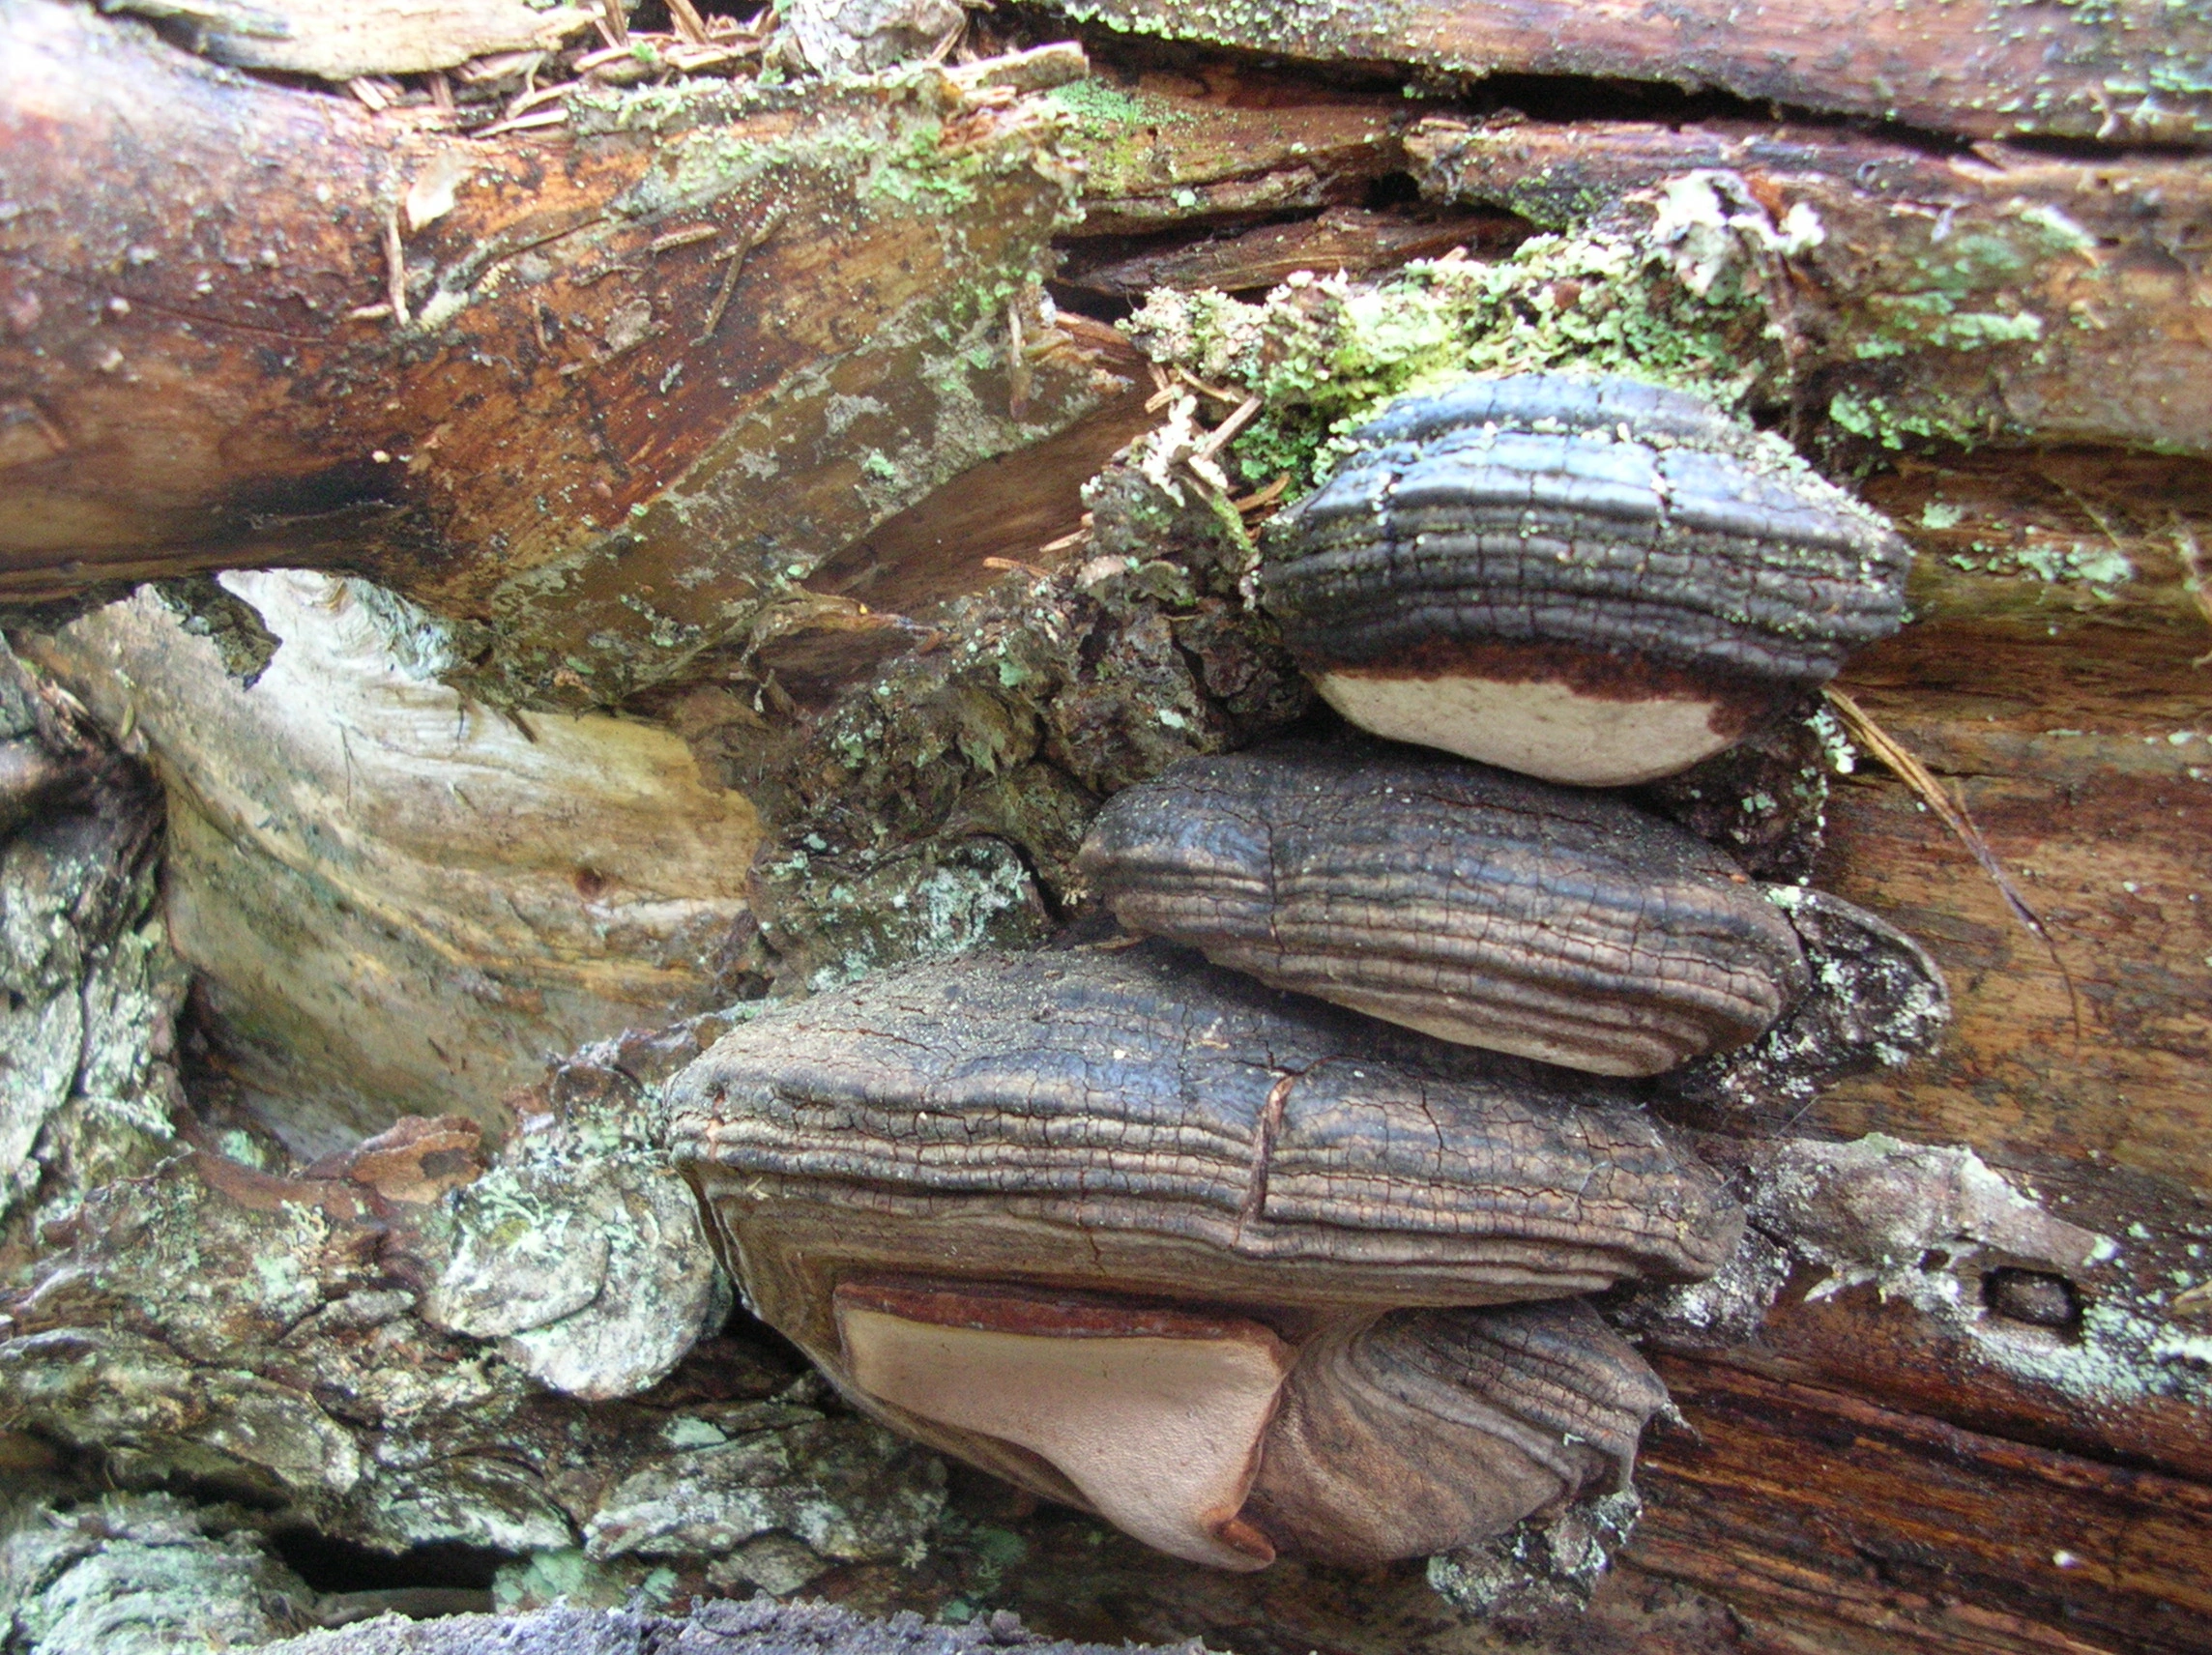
x=2130 y=71
x=1956 y=1541
x=2051 y=677
x=1349 y=238
x=1999 y=294
x=1213 y=144
x=791 y=309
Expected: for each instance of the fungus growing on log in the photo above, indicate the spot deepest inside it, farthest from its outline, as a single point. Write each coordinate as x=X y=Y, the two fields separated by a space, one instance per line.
x=1137 y=1234
x=1469 y=904
x=1590 y=579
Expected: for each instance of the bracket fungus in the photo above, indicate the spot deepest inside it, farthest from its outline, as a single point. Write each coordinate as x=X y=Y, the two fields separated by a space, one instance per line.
x=1242 y=1273
x=1588 y=578
x=1474 y=904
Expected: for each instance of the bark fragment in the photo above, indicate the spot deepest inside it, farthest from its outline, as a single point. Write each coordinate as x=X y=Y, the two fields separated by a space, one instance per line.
x=376 y=37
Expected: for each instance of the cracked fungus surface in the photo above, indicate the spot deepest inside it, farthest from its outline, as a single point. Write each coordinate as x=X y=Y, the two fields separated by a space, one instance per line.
x=1554 y=922
x=1139 y=1090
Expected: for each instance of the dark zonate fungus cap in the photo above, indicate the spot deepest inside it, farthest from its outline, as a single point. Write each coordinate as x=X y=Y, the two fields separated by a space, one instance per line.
x=1146 y=1237
x=1590 y=579
x=1468 y=903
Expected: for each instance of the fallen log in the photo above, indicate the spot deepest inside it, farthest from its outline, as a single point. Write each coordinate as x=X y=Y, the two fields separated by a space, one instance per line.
x=485 y=369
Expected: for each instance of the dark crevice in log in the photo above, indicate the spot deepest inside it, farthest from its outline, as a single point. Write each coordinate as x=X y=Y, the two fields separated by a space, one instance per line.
x=1538 y=96
x=332 y=1564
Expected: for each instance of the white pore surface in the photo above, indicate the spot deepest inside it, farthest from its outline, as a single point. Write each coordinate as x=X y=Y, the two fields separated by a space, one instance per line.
x=1538 y=728
x=1160 y=1433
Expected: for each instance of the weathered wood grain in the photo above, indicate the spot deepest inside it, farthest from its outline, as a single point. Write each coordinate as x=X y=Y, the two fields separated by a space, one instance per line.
x=2131 y=70
x=1349 y=238
x=1800 y=1503
x=2071 y=712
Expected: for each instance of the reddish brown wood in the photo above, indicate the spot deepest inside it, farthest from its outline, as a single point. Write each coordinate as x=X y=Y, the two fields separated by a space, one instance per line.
x=617 y=333
x=1790 y=1497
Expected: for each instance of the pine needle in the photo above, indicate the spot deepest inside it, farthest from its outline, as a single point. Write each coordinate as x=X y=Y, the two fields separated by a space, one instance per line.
x=2196 y=577
x=1951 y=810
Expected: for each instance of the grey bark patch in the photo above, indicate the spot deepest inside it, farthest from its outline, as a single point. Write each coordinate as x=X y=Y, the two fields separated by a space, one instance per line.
x=140 y=1575
x=1542 y=1567
x=758 y=1627
x=947 y=897
x=584 y=1256
x=847 y=1490
x=1878 y=1001
x=850 y=37
x=206 y=609
x=89 y=989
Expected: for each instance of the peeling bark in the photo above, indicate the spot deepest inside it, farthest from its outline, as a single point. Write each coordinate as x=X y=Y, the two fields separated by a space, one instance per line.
x=395 y=898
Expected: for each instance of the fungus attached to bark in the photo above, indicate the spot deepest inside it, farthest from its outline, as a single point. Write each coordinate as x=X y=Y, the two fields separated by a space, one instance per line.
x=1468 y=902
x=1591 y=579
x=1213 y=1262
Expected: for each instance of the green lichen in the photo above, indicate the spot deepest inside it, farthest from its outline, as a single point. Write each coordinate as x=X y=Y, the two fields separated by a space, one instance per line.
x=1116 y=135
x=2100 y=567
x=1100 y=110
x=1879 y=419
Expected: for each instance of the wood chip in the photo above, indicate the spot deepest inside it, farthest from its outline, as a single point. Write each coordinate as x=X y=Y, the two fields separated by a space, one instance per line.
x=395 y=267
x=2195 y=574
x=1223 y=434
x=361 y=38
x=685 y=16
x=683 y=238
x=524 y=123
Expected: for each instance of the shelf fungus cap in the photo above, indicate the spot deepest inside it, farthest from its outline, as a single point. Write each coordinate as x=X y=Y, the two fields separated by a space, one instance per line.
x=1151 y=1239
x=1472 y=904
x=1587 y=578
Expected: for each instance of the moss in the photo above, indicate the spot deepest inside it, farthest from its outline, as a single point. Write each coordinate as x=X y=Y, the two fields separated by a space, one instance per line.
x=1115 y=133
x=1324 y=354
x=1098 y=109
